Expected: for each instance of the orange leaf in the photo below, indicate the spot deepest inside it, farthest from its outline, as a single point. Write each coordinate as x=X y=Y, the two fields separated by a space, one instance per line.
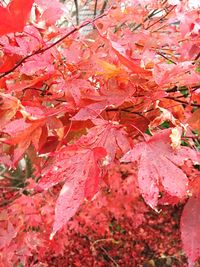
x=194 y=121
x=23 y=134
x=158 y=164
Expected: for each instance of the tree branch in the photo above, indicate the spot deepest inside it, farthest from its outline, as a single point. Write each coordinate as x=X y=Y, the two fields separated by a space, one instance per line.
x=95 y=8
x=40 y=51
x=183 y=102
x=77 y=12
x=167 y=13
x=176 y=88
x=162 y=55
x=104 y=6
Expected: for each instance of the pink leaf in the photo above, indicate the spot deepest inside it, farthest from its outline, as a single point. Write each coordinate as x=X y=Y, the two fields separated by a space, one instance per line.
x=109 y=135
x=78 y=167
x=6 y=235
x=127 y=61
x=190 y=230
x=159 y=164
x=90 y=112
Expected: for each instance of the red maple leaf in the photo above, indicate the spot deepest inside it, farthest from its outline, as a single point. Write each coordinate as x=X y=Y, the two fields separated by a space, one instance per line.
x=109 y=135
x=23 y=134
x=78 y=167
x=158 y=164
x=6 y=235
x=8 y=108
x=127 y=61
x=13 y=18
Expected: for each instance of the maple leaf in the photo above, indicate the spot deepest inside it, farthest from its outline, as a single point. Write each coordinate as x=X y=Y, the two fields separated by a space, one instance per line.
x=194 y=121
x=78 y=167
x=52 y=14
x=165 y=115
x=159 y=163
x=7 y=62
x=13 y=18
x=8 y=108
x=23 y=134
x=126 y=60
x=190 y=231
x=38 y=63
x=107 y=98
x=17 y=85
x=90 y=111
x=110 y=70
x=6 y=235
x=109 y=135
x=166 y=74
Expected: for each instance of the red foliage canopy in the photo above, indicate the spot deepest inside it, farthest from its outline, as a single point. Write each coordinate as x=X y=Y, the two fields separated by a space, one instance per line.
x=76 y=109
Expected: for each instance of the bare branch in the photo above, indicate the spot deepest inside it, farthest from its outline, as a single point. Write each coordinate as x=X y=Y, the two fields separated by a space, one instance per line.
x=77 y=12
x=95 y=8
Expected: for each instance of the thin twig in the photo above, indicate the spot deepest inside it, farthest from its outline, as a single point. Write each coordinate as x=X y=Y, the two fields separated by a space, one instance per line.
x=95 y=8
x=153 y=13
x=176 y=88
x=183 y=102
x=167 y=13
x=162 y=55
x=197 y=57
x=110 y=258
x=77 y=12
x=104 y=6
x=128 y=111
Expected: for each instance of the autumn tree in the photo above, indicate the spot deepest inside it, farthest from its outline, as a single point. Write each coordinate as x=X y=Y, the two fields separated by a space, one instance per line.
x=80 y=112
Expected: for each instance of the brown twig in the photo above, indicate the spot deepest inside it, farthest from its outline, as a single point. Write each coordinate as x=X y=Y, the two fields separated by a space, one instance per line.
x=95 y=8
x=162 y=55
x=157 y=21
x=104 y=6
x=197 y=57
x=153 y=13
x=183 y=102
x=108 y=255
x=128 y=111
x=176 y=88
x=77 y=12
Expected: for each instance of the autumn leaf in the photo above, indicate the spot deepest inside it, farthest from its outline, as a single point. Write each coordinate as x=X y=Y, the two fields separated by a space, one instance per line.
x=111 y=71
x=52 y=10
x=13 y=18
x=6 y=235
x=36 y=64
x=158 y=164
x=194 y=121
x=8 y=108
x=20 y=85
x=22 y=135
x=8 y=62
x=90 y=111
x=190 y=230
x=71 y=105
x=78 y=168
x=127 y=61
x=109 y=135
x=165 y=115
